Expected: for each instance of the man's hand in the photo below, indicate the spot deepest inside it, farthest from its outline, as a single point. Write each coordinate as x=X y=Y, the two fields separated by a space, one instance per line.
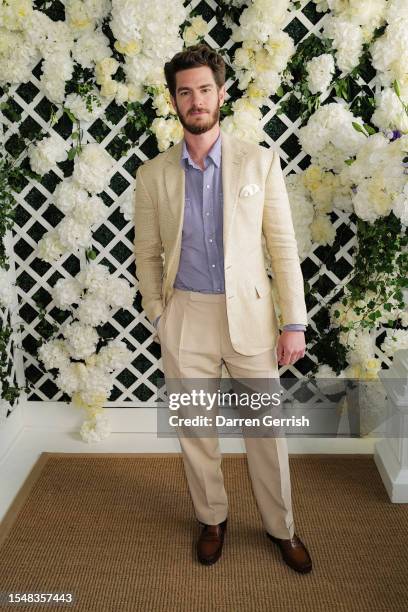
x=291 y=347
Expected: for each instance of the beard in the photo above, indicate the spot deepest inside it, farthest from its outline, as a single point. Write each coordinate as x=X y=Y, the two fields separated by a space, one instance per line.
x=200 y=125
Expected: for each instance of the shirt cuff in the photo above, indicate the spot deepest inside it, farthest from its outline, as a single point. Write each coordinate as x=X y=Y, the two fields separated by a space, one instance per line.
x=294 y=327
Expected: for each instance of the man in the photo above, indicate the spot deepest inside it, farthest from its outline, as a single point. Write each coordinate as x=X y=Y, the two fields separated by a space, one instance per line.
x=205 y=204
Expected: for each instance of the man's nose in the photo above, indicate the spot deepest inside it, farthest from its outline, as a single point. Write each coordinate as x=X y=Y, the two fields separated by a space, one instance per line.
x=197 y=100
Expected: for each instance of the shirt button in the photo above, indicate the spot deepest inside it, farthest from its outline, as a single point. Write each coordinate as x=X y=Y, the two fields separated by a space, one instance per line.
x=210 y=239
x=213 y=265
x=207 y=213
x=207 y=186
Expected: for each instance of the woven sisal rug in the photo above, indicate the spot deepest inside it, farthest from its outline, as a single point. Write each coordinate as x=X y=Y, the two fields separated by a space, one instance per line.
x=118 y=531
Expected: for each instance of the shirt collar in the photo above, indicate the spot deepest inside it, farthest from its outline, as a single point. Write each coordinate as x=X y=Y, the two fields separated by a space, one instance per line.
x=214 y=153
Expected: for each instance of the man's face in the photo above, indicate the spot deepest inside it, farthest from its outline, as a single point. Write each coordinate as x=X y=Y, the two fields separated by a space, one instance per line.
x=198 y=100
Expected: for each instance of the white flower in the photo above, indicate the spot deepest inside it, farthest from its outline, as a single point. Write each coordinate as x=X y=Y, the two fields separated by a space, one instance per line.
x=95 y=429
x=94 y=277
x=93 y=167
x=93 y=311
x=77 y=105
x=68 y=195
x=54 y=354
x=50 y=247
x=302 y=213
x=81 y=339
x=319 y=73
x=245 y=123
x=347 y=40
x=390 y=53
x=73 y=235
x=95 y=384
x=18 y=56
x=400 y=206
x=127 y=206
x=396 y=339
x=57 y=69
x=67 y=379
x=167 y=131
x=322 y=229
x=162 y=103
x=114 y=356
x=122 y=94
x=329 y=136
x=84 y=14
x=389 y=112
x=118 y=293
x=147 y=34
x=90 y=48
x=15 y=15
x=66 y=291
x=45 y=154
x=90 y=212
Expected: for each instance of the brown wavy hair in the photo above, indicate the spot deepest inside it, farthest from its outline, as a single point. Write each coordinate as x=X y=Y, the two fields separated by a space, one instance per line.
x=192 y=57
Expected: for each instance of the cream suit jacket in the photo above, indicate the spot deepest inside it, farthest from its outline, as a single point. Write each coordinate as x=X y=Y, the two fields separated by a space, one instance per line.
x=159 y=211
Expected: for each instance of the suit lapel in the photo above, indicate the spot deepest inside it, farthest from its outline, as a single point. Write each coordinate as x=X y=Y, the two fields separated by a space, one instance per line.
x=232 y=157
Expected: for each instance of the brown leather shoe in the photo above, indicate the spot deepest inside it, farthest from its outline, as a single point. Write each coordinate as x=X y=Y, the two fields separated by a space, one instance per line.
x=209 y=545
x=294 y=553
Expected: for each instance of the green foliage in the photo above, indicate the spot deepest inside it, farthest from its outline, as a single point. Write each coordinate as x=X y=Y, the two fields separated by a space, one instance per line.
x=295 y=78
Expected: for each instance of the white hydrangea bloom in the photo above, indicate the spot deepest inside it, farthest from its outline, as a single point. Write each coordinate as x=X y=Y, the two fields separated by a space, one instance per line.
x=93 y=167
x=93 y=277
x=81 y=339
x=389 y=112
x=54 y=354
x=347 y=40
x=167 y=131
x=329 y=136
x=90 y=212
x=90 y=48
x=68 y=195
x=50 y=248
x=96 y=429
x=93 y=311
x=245 y=122
x=46 y=153
x=302 y=211
x=73 y=235
x=77 y=105
x=113 y=356
x=118 y=293
x=320 y=71
x=322 y=230
x=66 y=291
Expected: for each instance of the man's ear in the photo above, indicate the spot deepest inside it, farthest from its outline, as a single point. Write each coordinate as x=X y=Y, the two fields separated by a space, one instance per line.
x=222 y=95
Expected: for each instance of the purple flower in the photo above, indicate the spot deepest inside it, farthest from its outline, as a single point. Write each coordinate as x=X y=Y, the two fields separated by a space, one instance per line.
x=396 y=134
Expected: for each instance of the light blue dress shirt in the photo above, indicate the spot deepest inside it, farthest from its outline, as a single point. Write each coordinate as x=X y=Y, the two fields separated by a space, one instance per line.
x=201 y=266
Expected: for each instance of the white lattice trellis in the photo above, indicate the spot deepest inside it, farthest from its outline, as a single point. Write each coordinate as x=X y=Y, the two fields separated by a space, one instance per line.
x=113 y=238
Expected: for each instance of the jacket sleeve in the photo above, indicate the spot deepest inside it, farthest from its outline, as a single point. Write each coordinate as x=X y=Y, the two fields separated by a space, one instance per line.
x=148 y=249
x=277 y=227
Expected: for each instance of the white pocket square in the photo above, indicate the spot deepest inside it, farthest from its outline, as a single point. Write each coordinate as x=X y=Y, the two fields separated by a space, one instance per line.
x=248 y=190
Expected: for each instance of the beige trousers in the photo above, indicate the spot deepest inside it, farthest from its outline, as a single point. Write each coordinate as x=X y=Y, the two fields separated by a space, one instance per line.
x=195 y=341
